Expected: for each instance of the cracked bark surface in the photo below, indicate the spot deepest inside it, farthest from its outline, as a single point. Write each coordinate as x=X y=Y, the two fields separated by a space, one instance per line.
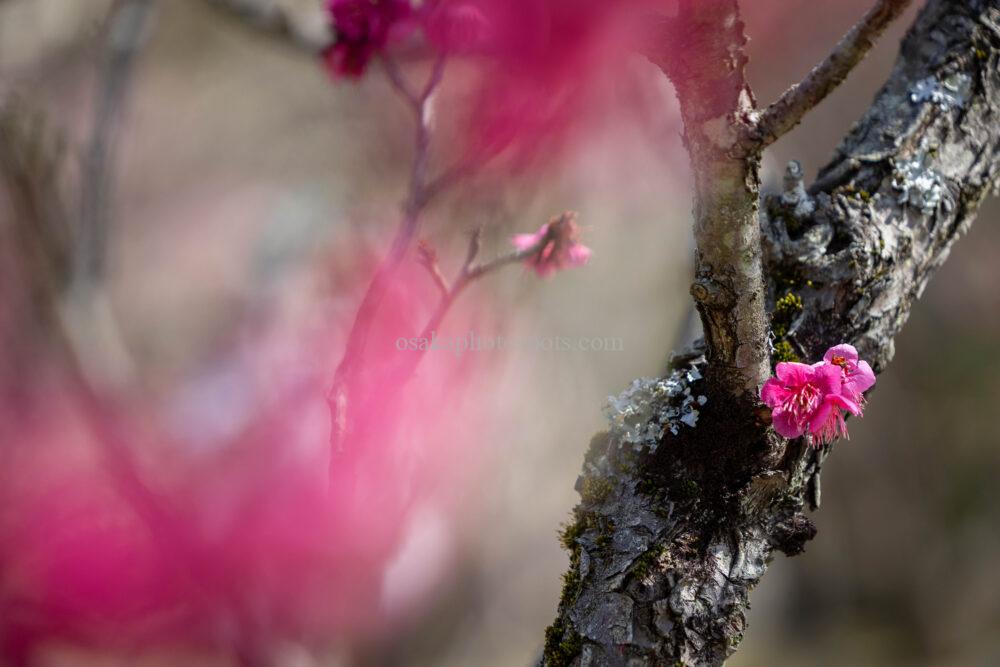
x=665 y=547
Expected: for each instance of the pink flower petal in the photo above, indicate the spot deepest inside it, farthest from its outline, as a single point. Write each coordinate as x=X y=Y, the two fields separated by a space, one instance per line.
x=579 y=254
x=774 y=393
x=860 y=380
x=827 y=424
x=843 y=402
x=844 y=351
x=829 y=379
x=794 y=374
x=528 y=241
x=786 y=424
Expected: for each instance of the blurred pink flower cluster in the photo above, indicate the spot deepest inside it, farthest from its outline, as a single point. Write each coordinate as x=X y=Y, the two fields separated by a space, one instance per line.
x=550 y=69
x=216 y=541
x=814 y=398
x=364 y=28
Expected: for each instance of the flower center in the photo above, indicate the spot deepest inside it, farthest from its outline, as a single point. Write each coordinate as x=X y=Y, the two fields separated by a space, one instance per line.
x=803 y=402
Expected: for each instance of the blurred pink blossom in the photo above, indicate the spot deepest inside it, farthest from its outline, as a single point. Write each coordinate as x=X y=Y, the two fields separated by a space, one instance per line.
x=363 y=29
x=243 y=540
x=550 y=70
x=558 y=246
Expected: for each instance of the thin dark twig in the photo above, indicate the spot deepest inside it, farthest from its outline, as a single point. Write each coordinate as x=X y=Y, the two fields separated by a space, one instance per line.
x=345 y=388
x=418 y=101
x=397 y=377
x=434 y=81
x=400 y=84
x=428 y=259
x=346 y=376
x=127 y=29
x=469 y=273
x=794 y=103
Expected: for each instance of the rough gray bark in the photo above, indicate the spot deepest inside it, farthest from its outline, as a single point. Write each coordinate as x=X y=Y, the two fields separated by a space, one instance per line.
x=666 y=546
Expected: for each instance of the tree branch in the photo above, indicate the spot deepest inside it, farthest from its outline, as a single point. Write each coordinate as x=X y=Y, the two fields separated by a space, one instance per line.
x=347 y=376
x=787 y=111
x=469 y=273
x=427 y=257
x=715 y=103
x=673 y=531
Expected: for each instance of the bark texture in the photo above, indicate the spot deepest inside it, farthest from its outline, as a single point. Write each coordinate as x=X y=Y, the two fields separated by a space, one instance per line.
x=666 y=545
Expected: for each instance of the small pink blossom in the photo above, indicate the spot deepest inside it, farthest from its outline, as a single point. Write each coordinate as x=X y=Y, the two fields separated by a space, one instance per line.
x=858 y=375
x=363 y=29
x=814 y=399
x=556 y=245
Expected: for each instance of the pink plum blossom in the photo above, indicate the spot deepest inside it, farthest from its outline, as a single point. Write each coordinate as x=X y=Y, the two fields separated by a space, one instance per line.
x=814 y=399
x=858 y=375
x=363 y=29
x=557 y=244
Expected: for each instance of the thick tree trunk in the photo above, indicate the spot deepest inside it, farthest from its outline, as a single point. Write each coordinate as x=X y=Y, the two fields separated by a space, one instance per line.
x=675 y=528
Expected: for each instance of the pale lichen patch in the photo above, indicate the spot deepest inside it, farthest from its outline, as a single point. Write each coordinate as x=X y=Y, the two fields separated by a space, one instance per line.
x=947 y=93
x=920 y=186
x=642 y=414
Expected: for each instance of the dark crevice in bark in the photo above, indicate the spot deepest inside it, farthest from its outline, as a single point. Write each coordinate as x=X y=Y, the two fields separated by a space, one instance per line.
x=666 y=547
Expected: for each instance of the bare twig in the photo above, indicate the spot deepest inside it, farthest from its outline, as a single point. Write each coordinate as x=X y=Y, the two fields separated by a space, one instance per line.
x=469 y=273
x=428 y=259
x=30 y=162
x=434 y=81
x=400 y=84
x=452 y=175
x=418 y=101
x=54 y=262
x=398 y=375
x=794 y=103
x=463 y=168
x=346 y=376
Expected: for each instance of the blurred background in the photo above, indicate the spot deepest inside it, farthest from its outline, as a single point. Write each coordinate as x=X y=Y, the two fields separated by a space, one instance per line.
x=252 y=195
